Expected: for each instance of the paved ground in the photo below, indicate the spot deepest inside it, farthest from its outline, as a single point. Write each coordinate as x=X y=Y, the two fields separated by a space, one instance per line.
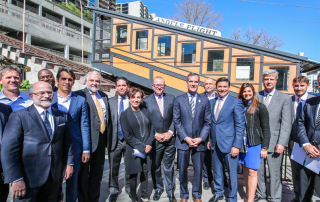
x=287 y=189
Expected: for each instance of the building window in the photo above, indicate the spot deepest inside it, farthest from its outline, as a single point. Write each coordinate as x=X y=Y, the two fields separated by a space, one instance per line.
x=215 y=60
x=245 y=69
x=121 y=34
x=141 y=40
x=164 y=46
x=283 y=78
x=188 y=53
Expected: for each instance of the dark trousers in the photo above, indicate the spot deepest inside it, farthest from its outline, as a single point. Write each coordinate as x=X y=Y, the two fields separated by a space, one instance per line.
x=47 y=192
x=164 y=153
x=143 y=180
x=4 y=189
x=197 y=160
x=115 y=161
x=91 y=173
x=207 y=167
x=295 y=168
x=218 y=160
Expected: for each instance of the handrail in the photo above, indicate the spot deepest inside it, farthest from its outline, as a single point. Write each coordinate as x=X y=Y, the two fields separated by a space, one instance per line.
x=51 y=17
x=41 y=21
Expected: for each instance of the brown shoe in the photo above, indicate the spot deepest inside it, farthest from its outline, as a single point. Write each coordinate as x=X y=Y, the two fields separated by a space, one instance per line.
x=184 y=200
x=196 y=200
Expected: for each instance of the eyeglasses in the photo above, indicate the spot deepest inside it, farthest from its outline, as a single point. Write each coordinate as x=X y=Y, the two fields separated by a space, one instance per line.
x=48 y=77
x=158 y=85
x=41 y=94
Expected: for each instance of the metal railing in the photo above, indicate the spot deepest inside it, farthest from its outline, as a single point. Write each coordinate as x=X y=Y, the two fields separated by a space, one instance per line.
x=41 y=21
x=74 y=58
x=29 y=8
x=51 y=17
x=72 y=26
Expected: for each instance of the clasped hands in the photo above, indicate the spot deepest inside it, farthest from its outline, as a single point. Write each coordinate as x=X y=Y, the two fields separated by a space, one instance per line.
x=163 y=137
x=193 y=142
x=311 y=151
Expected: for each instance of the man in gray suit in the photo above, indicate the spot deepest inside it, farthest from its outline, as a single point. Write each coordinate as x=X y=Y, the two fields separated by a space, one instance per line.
x=279 y=107
x=300 y=85
x=116 y=142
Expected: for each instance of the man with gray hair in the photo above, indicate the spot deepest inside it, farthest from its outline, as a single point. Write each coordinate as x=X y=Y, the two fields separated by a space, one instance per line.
x=11 y=78
x=90 y=175
x=279 y=108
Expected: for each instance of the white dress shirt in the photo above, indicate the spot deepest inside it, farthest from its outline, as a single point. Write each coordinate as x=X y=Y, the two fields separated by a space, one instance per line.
x=222 y=102
x=270 y=96
x=104 y=109
x=64 y=103
x=303 y=101
x=194 y=98
x=125 y=103
x=214 y=95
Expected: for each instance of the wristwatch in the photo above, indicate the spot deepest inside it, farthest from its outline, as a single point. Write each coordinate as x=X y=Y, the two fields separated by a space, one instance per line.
x=264 y=149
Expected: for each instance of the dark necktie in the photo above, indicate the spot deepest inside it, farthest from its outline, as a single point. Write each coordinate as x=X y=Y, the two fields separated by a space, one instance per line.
x=47 y=124
x=120 y=135
x=318 y=116
x=192 y=106
x=299 y=101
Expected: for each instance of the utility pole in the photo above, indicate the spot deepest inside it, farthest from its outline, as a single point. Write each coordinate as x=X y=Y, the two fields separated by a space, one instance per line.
x=81 y=32
x=23 y=24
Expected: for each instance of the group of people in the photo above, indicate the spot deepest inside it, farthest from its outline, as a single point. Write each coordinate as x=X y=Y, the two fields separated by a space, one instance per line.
x=54 y=133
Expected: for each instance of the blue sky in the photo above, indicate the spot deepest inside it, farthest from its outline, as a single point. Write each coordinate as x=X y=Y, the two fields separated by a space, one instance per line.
x=299 y=27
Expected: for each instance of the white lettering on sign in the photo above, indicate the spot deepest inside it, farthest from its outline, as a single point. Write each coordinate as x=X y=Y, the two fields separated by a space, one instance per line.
x=188 y=26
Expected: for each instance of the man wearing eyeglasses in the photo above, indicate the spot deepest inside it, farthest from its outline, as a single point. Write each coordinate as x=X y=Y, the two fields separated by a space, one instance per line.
x=160 y=106
x=37 y=148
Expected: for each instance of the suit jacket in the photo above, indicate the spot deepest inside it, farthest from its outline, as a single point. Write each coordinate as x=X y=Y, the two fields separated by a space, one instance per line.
x=161 y=124
x=113 y=129
x=131 y=133
x=198 y=127
x=5 y=111
x=308 y=129
x=94 y=117
x=280 y=118
x=293 y=134
x=28 y=152
x=228 y=130
x=78 y=121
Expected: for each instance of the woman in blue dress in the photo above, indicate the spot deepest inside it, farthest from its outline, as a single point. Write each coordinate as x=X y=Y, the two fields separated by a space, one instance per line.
x=256 y=138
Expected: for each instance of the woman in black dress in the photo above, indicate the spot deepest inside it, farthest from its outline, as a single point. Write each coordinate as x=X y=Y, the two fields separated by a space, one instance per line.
x=137 y=130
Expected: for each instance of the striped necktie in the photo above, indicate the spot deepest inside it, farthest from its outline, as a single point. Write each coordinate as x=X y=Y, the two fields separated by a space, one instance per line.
x=318 y=116
x=266 y=101
x=192 y=105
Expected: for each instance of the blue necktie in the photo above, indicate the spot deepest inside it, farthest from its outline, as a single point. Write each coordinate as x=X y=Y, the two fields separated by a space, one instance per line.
x=47 y=124
x=120 y=135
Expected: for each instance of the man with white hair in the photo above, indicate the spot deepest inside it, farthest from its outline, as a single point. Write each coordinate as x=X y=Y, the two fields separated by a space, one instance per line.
x=279 y=108
x=90 y=175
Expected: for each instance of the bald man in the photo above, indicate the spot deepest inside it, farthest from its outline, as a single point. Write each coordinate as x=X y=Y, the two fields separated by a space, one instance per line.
x=34 y=174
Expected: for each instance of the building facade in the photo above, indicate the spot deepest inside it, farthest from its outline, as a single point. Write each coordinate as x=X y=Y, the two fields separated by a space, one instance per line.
x=136 y=8
x=143 y=49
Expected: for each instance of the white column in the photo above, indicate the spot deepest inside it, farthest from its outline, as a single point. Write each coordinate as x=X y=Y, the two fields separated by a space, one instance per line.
x=28 y=38
x=40 y=10
x=66 y=51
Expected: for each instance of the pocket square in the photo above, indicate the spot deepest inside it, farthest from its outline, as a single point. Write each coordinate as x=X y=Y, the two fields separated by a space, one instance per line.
x=62 y=124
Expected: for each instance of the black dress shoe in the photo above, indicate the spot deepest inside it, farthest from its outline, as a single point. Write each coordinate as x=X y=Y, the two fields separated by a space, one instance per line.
x=172 y=198
x=257 y=198
x=216 y=198
x=206 y=185
x=157 y=195
x=113 y=197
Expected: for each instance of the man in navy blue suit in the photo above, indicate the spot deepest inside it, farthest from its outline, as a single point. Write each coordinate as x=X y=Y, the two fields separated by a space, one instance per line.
x=37 y=148
x=192 y=119
x=227 y=130
x=76 y=108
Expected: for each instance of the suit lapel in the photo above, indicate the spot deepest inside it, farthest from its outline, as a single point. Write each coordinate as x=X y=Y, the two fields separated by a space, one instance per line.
x=226 y=104
x=90 y=101
x=212 y=108
x=187 y=103
x=73 y=102
x=36 y=117
x=56 y=122
x=165 y=104
x=55 y=100
x=198 y=103
x=154 y=101
x=314 y=111
x=274 y=100
x=293 y=111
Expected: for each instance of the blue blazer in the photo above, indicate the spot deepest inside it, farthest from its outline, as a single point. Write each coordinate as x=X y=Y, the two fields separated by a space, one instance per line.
x=228 y=130
x=28 y=152
x=79 y=122
x=308 y=129
x=199 y=127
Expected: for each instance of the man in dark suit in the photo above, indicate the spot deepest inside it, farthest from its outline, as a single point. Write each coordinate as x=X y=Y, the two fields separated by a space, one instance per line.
x=47 y=76
x=77 y=110
x=5 y=112
x=308 y=137
x=227 y=130
x=192 y=119
x=90 y=175
x=160 y=108
x=37 y=148
x=300 y=85
x=279 y=108
x=116 y=142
